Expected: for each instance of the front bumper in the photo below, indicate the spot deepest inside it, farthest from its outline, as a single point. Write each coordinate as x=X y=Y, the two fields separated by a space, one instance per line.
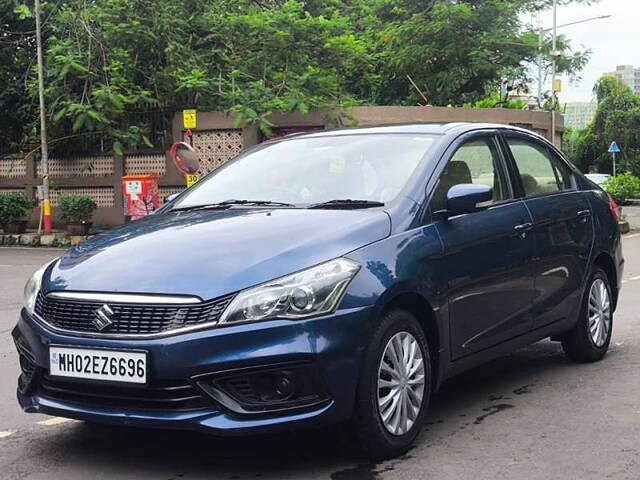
x=332 y=345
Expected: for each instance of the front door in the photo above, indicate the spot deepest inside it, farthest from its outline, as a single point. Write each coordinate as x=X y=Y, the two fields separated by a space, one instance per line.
x=488 y=253
x=562 y=229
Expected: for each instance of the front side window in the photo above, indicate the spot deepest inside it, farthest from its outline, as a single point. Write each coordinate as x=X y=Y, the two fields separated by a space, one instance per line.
x=369 y=167
x=540 y=172
x=475 y=162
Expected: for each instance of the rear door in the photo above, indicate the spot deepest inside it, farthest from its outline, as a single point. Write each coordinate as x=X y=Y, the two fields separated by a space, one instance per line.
x=562 y=227
x=487 y=253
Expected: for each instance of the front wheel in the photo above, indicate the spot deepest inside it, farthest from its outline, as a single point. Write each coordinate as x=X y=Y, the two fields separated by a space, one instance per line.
x=589 y=339
x=394 y=389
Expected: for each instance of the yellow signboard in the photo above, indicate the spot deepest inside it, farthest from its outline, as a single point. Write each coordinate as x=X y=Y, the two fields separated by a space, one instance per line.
x=557 y=85
x=189 y=118
x=191 y=179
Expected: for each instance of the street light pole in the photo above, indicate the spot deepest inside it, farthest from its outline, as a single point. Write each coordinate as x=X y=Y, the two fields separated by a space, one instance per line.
x=46 y=205
x=553 y=72
x=541 y=37
x=540 y=61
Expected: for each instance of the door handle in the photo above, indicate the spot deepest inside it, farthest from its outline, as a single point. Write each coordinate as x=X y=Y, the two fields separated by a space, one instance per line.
x=584 y=213
x=523 y=227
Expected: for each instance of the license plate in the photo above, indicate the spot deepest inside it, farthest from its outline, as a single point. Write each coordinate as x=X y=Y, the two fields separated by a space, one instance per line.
x=107 y=365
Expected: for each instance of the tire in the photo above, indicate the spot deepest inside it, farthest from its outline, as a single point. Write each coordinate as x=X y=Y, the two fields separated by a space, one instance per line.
x=372 y=433
x=582 y=343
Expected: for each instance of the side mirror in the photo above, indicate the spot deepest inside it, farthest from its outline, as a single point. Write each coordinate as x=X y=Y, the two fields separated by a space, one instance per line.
x=171 y=198
x=467 y=198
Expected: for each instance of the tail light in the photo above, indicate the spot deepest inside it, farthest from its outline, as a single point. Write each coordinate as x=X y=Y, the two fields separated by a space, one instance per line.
x=615 y=211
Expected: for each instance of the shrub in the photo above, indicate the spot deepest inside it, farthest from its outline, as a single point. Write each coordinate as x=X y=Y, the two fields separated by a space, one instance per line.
x=76 y=208
x=14 y=207
x=623 y=187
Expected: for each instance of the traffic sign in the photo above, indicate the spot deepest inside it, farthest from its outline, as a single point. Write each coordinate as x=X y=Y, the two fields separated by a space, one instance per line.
x=191 y=179
x=614 y=148
x=189 y=119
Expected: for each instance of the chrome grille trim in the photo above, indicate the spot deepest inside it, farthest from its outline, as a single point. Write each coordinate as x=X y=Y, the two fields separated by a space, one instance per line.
x=125 y=298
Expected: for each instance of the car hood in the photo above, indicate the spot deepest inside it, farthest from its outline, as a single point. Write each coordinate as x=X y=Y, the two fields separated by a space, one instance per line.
x=210 y=253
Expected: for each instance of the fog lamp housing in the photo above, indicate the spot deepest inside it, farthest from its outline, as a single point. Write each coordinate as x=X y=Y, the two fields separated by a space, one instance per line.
x=265 y=389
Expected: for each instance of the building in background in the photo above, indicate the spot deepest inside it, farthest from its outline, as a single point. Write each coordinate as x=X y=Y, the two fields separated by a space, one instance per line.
x=579 y=114
x=628 y=75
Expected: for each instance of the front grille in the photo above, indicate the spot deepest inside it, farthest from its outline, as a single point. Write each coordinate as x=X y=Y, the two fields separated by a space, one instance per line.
x=130 y=319
x=166 y=396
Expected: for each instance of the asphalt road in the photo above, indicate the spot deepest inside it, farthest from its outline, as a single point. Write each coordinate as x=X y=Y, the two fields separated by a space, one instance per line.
x=529 y=415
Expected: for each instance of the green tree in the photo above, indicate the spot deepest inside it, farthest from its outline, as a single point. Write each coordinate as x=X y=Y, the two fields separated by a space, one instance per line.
x=109 y=61
x=617 y=119
x=17 y=42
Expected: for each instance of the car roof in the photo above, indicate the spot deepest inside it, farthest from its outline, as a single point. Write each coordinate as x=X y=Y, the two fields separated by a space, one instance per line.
x=415 y=128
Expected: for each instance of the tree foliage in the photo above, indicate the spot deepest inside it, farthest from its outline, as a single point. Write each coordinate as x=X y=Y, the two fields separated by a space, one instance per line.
x=108 y=61
x=617 y=119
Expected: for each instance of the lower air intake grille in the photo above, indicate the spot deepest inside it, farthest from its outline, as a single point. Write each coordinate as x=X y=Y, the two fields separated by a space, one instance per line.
x=166 y=396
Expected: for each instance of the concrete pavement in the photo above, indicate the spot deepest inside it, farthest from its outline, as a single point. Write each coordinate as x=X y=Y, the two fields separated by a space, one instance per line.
x=529 y=415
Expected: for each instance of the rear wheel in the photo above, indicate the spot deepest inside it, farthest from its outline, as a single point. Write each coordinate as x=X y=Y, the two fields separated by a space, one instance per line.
x=393 y=393
x=589 y=339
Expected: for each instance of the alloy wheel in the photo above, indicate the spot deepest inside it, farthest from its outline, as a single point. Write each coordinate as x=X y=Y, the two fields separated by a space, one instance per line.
x=401 y=383
x=599 y=312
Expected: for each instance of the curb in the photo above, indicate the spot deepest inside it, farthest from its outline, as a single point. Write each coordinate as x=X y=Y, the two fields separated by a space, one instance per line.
x=624 y=226
x=53 y=240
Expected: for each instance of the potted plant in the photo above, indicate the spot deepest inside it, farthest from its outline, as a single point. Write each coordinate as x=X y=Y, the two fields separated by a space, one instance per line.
x=76 y=210
x=14 y=208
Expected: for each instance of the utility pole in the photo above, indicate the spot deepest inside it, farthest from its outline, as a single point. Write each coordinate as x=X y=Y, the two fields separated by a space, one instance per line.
x=46 y=205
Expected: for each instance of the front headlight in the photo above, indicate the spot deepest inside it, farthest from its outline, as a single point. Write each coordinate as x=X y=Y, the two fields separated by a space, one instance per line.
x=311 y=292
x=32 y=288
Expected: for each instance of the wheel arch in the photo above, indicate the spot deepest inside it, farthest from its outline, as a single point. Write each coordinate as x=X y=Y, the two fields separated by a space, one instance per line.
x=606 y=263
x=422 y=309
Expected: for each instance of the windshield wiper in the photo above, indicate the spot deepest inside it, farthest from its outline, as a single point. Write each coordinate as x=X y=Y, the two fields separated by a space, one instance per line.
x=256 y=202
x=347 y=203
x=230 y=203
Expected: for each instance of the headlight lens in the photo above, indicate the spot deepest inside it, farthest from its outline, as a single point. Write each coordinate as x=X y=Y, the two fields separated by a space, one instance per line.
x=311 y=292
x=32 y=288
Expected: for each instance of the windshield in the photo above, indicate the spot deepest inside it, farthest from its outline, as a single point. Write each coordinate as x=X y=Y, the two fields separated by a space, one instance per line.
x=369 y=167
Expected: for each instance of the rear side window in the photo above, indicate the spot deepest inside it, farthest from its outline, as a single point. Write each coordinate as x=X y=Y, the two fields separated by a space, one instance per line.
x=541 y=172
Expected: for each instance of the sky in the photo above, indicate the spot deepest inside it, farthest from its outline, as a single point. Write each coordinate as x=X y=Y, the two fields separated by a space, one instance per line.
x=613 y=41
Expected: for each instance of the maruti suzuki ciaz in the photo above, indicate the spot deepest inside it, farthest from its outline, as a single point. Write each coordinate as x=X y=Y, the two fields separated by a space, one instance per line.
x=336 y=277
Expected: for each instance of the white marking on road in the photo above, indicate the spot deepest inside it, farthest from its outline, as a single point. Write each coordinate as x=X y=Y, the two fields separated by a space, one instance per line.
x=633 y=235
x=55 y=421
x=632 y=279
x=6 y=433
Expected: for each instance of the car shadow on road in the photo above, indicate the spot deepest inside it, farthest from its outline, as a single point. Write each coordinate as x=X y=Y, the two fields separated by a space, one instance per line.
x=469 y=399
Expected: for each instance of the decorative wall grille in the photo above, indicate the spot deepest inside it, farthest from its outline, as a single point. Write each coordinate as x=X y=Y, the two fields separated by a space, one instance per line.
x=164 y=192
x=103 y=196
x=216 y=147
x=4 y=191
x=79 y=166
x=13 y=167
x=142 y=164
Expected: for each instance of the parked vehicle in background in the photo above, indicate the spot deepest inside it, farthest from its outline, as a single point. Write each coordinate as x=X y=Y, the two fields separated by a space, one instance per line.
x=324 y=278
x=598 y=178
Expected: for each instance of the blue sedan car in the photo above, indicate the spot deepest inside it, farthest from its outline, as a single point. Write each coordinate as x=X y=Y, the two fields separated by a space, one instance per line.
x=336 y=277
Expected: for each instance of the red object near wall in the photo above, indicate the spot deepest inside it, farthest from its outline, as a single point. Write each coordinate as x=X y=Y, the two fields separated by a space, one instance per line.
x=140 y=195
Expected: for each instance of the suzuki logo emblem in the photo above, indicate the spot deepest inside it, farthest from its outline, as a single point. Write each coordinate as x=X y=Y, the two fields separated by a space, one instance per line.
x=103 y=317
